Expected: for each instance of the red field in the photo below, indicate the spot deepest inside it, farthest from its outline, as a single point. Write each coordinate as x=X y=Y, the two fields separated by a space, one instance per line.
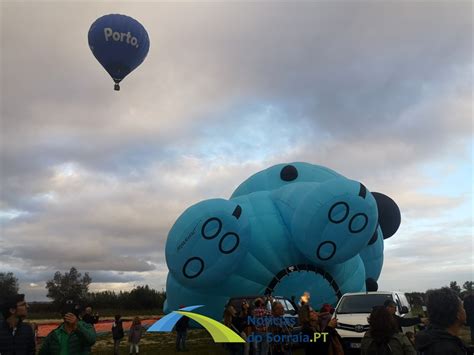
x=101 y=327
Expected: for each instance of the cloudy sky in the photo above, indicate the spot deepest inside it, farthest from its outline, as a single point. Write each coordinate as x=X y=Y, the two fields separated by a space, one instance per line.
x=378 y=91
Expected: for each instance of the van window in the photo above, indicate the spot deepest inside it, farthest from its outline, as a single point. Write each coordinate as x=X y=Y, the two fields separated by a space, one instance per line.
x=404 y=301
x=289 y=308
x=361 y=303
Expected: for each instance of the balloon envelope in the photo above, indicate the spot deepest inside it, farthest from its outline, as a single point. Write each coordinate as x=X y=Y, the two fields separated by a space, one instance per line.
x=120 y=43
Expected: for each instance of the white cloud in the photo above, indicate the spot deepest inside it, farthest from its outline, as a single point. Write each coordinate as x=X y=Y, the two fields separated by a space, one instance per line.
x=95 y=178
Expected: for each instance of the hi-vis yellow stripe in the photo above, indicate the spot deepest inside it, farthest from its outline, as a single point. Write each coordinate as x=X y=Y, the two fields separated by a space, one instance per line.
x=219 y=332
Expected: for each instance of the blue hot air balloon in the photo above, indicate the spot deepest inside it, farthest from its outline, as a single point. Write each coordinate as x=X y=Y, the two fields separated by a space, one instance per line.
x=285 y=230
x=120 y=43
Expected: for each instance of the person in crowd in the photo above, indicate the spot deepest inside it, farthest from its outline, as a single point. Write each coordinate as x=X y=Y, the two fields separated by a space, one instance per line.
x=73 y=336
x=327 y=324
x=411 y=337
x=117 y=333
x=135 y=335
x=16 y=337
x=446 y=316
x=260 y=311
x=231 y=321
x=309 y=321
x=181 y=332
x=383 y=336
x=281 y=329
x=35 y=328
x=243 y=325
x=90 y=318
x=469 y=307
x=402 y=321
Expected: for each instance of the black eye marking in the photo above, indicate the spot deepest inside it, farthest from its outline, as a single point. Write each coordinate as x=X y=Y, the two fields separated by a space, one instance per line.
x=318 y=252
x=288 y=173
x=237 y=212
x=201 y=268
x=203 y=229
x=331 y=210
x=366 y=220
x=362 y=191
x=228 y=235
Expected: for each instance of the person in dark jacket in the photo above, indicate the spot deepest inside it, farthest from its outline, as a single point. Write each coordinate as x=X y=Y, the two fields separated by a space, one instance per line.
x=383 y=336
x=447 y=316
x=181 y=332
x=469 y=307
x=117 y=333
x=391 y=307
x=90 y=318
x=16 y=337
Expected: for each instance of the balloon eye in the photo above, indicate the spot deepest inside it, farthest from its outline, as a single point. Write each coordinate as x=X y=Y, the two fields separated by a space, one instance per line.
x=358 y=222
x=193 y=267
x=338 y=212
x=228 y=243
x=211 y=228
x=326 y=250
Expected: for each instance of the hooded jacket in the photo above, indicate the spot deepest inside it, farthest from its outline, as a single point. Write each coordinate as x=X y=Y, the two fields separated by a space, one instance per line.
x=437 y=341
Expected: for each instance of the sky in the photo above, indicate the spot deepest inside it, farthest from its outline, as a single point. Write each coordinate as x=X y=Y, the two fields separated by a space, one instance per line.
x=381 y=92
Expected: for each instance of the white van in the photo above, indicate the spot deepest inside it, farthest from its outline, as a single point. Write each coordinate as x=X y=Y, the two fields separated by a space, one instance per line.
x=353 y=309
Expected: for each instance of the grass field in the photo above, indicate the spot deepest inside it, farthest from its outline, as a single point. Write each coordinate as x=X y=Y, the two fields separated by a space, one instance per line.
x=199 y=342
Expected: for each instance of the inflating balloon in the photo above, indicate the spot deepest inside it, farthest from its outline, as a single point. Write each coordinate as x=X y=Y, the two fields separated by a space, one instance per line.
x=288 y=229
x=120 y=43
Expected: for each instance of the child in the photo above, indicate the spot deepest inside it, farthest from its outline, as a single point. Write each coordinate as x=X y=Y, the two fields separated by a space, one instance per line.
x=135 y=334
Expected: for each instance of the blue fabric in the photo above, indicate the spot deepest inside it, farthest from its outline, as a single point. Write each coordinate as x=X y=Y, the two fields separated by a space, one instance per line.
x=299 y=216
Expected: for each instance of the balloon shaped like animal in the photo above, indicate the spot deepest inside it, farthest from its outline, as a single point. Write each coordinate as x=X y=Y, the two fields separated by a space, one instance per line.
x=287 y=229
x=120 y=43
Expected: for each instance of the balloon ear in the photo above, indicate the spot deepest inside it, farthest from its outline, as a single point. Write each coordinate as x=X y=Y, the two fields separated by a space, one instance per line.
x=371 y=285
x=389 y=214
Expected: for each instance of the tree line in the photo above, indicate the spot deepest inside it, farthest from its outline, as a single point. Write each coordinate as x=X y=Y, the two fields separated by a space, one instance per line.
x=72 y=285
x=419 y=298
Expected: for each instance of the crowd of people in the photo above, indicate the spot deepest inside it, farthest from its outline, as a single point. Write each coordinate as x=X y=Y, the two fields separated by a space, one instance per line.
x=74 y=336
x=447 y=314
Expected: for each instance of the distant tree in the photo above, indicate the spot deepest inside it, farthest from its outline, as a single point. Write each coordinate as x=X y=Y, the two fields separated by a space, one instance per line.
x=70 y=286
x=8 y=285
x=468 y=288
x=416 y=298
x=453 y=285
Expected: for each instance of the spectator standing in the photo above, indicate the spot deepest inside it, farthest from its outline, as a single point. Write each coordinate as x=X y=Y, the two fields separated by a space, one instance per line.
x=446 y=316
x=90 y=318
x=16 y=337
x=231 y=321
x=260 y=311
x=402 y=321
x=181 y=332
x=117 y=333
x=135 y=335
x=73 y=336
x=469 y=308
x=384 y=337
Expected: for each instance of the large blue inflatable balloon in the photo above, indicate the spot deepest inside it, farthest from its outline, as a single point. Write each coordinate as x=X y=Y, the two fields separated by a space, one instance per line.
x=288 y=229
x=120 y=43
